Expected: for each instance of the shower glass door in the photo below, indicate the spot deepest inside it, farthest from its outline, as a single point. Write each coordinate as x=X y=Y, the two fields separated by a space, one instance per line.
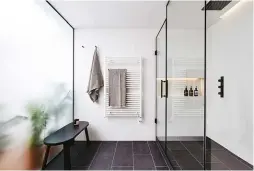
x=185 y=75
x=161 y=85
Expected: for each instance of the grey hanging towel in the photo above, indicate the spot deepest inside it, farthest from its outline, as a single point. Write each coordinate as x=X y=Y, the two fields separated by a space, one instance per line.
x=117 y=87
x=96 y=78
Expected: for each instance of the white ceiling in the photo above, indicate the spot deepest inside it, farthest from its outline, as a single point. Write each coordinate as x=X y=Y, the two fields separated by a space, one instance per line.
x=112 y=14
x=137 y=14
x=188 y=14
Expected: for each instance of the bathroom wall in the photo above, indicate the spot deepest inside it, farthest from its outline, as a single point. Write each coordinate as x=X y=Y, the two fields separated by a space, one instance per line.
x=230 y=54
x=115 y=43
x=184 y=44
x=130 y=43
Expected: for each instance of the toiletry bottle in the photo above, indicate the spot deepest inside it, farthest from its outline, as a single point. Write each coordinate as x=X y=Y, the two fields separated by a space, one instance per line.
x=185 y=91
x=196 y=91
x=191 y=91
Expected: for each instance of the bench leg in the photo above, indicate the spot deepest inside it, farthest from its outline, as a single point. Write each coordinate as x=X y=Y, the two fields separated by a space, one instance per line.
x=45 y=158
x=87 y=136
x=67 y=157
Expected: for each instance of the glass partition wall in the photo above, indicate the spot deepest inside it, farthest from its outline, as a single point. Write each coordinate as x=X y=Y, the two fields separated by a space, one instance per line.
x=182 y=117
x=161 y=85
x=36 y=73
x=185 y=75
x=207 y=47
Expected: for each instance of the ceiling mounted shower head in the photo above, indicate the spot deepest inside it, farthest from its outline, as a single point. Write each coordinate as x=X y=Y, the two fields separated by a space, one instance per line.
x=216 y=5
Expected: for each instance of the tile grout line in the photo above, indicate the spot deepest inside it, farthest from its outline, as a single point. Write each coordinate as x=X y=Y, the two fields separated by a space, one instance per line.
x=122 y=166
x=174 y=158
x=151 y=155
x=177 y=163
x=132 y=156
x=94 y=156
x=218 y=159
x=191 y=154
x=223 y=149
x=240 y=160
x=142 y=154
x=162 y=155
x=113 y=156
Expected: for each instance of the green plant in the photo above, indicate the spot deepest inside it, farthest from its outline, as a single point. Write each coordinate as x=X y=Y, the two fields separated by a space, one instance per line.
x=38 y=117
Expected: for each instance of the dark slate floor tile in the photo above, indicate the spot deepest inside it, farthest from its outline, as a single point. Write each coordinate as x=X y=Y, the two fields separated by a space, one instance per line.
x=162 y=168
x=123 y=154
x=107 y=148
x=101 y=162
x=198 y=154
x=122 y=168
x=85 y=153
x=229 y=160
x=79 y=168
x=157 y=156
x=171 y=155
x=104 y=156
x=143 y=162
x=245 y=162
x=162 y=144
x=216 y=166
x=193 y=145
x=177 y=168
x=56 y=163
x=186 y=161
x=209 y=158
x=212 y=145
x=140 y=147
x=175 y=145
x=174 y=163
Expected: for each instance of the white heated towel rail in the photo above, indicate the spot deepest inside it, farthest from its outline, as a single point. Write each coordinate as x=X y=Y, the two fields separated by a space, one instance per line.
x=133 y=86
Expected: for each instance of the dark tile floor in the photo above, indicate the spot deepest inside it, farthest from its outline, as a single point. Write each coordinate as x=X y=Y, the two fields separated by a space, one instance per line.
x=188 y=155
x=120 y=155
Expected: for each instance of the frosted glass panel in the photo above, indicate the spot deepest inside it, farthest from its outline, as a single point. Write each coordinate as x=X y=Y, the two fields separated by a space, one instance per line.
x=36 y=78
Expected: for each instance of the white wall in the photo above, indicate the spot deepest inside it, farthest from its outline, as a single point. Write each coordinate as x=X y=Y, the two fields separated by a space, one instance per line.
x=230 y=54
x=184 y=44
x=114 y=43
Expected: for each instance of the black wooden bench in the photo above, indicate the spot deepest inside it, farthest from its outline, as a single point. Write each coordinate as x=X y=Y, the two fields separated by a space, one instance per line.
x=65 y=136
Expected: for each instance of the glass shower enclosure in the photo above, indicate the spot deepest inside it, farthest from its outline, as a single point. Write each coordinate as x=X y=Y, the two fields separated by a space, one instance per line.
x=180 y=84
x=196 y=34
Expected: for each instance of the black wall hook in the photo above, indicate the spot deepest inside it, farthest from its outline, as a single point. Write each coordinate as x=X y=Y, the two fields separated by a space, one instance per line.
x=221 y=87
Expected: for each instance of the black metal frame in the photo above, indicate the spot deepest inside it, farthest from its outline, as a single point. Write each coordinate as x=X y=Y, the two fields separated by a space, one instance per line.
x=204 y=141
x=73 y=54
x=166 y=96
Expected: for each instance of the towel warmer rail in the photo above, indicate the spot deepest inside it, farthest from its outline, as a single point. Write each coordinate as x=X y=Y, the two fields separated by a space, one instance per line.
x=133 y=86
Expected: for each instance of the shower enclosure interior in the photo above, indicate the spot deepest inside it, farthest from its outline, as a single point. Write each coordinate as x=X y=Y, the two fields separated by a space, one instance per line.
x=182 y=47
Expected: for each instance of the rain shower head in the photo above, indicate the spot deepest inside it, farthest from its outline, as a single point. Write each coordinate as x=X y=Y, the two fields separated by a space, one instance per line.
x=216 y=5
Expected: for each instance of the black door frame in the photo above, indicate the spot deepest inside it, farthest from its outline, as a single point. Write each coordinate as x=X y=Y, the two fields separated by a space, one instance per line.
x=163 y=149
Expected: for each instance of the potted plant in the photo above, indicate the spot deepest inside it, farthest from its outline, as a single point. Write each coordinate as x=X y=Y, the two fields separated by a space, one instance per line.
x=38 y=117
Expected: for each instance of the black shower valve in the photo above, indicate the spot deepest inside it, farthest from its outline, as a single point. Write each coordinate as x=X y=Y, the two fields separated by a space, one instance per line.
x=221 y=87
